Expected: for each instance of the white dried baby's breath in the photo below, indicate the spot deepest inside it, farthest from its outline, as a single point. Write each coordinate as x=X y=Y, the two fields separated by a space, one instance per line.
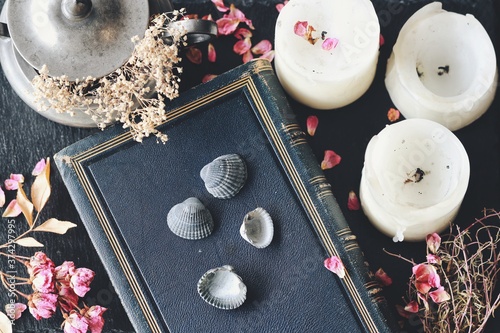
x=126 y=95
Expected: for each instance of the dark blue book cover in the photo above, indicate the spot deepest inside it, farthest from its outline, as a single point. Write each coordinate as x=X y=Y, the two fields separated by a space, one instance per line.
x=123 y=191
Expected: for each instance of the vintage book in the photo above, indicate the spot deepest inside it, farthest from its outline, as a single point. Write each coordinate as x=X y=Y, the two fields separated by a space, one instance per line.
x=123 y=191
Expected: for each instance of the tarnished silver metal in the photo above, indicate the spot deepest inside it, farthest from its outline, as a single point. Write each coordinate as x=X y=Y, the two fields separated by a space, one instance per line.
x=76 y=39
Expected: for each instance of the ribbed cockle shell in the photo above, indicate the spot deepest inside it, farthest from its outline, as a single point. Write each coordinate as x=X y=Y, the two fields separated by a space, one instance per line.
x=190 y=219
x=225 y=176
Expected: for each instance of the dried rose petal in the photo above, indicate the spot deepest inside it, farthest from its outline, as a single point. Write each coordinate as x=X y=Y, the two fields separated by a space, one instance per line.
x=227 y=25
x=238 y=14
x=439 y=295
x=247 y=56
x=219 y=4
x=18 y=309
x=268 y=55
x=242 y=46
x=312 y=124
x=262 y=47
x=382 y=278
x=242 y=33
x=280 y=6
x=381 y=40
x=208 y=77
x=426 y=277
x=329 y=43
x=393 y=115
x=411 y=307
x=11 y=184
x=433 y=242
x=353 y=201
x=194 y=55
x=300 y=28
x=39 y=167
x=208 y=17
x=335 y=265
x=212 y=55
x=330 y=160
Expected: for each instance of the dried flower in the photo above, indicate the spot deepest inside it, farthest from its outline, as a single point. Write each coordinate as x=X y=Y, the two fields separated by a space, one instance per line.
x=43 y=281
x=66 y=298
x=212 y=55
x=17 y=177
x=439 y=295
x=219 y=4
x=2 y=197
x=312 y=123
x=80 y=281
x=300 y=28
x=242 y=33
x=95 y=319
x=242 y=46
x=433 y=259
x=75 y=323
x=330 y=160
x=426 y=277
x=39 y=167
x=382 y=278
x=262 y=47
x=393 y=115
x=268 y=55
x=335 y=265
x=125 y=95
x=42 y=305
x=353 y=201
x=11 y=184
x=227 y=25
x=14 y=311
x=433 y=242
x=280 y=6
x=411 y=307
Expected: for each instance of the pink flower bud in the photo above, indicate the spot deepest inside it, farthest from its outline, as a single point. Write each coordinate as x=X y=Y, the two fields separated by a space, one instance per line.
x=382 y=278
x=64 y=272
x=17 y=177
x=353 y=201
x=11 y=184
x=39 y=261
x=81 y=280
x=312 y=123
x=335 y=265
x=433 y=242
x=95 y=319
x=75 y=323
x=393 y=115
x=42 y=305
x=330 y=160
x=412 y=307
x=14 y=311
x=426 y=277
x=439 y=295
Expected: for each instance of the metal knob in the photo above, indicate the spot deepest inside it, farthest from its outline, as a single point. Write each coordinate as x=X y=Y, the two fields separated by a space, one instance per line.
x=76 y=9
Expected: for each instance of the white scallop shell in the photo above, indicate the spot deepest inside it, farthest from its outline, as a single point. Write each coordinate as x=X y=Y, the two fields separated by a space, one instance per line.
x=225 y=176
x=222 y=288
x=257 y=228
x=190 y=219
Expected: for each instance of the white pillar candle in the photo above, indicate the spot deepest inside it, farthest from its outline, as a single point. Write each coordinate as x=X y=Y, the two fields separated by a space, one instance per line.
x=327 y=79
x=442 y=68
x=414 y=179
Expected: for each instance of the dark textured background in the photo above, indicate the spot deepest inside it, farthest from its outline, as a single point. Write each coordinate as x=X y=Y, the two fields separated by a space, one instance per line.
x=25 y=137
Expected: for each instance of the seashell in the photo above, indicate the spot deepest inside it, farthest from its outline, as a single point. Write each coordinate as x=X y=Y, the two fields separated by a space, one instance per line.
x=190 y=219
x=257 y=228
x=222 y=288
x=225 y=176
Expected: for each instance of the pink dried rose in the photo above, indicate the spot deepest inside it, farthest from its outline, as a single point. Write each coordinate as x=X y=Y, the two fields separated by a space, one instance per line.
x=439 y=295
x=75 y=323
x=312 y=123
x=330 y=160
x=433 y=242
x=411 y=307
x=353 y=201
x=262 y=47
x=393 y=115
x=242 y=46
x=67 y=299
x=208 y=77
x=194 y=55
x=212 y=55
x=43 y=281
x=39 y=167
x=42 y=305
x=11 y=184
x=382 y=278
x=39 y=261
x=238 y=14
x=329 y=43
x=247 y=56
x=335 y=265
x=219 y=4
x=426 y=277
x=14 y=311
x=64 y=272
x=300 y=28
x=94 y=318
x=81 y=280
